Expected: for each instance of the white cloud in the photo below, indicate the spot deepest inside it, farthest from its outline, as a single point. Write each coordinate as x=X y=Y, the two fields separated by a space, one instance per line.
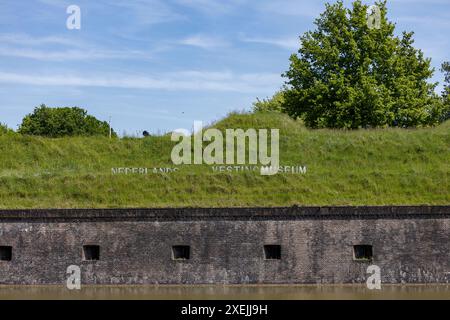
x=304 y=8
x=55 y=3
x=289 y=43
x=40 y=48
x=421 y=1
x=434 y=21
x=27 y=40
x=69 y=55
x=147 y=12
x=141 y=12
x=204 y=42
x=211 y=6
x=184 y=80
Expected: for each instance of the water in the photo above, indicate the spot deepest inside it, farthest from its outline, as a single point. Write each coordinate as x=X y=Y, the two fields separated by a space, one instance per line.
x=256 y=292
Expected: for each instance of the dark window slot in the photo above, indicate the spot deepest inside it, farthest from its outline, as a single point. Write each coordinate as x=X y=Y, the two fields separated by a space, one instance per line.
x=91 y=253
x=363 y=252
x=181 y=252
x=5 y=253
x=272 y=252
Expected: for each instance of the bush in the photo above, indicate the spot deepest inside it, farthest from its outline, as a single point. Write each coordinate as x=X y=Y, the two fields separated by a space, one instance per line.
x=446 y=92
x=60 y=122
x=4 y=129
x=273 y=104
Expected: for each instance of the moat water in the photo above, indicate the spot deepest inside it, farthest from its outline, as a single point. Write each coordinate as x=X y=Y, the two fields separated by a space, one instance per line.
x=328 y=292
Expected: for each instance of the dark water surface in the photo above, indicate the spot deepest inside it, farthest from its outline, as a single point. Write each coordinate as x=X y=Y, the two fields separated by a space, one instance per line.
x=256 y=292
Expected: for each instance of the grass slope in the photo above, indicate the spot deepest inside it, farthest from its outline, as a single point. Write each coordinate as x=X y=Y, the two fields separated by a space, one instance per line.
x=366 y=167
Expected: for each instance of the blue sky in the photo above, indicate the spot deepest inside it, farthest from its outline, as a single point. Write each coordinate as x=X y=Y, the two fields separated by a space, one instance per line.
x=159 y=65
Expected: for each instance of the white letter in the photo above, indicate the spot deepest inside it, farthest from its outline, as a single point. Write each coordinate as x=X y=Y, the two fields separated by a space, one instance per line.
x=184 y=146
x=274 y=159
x=74 y=280
x=74 y=20
x=374 y=281
x=374 y=17
x=216 y=147
x=198 y=142
x=241 y=136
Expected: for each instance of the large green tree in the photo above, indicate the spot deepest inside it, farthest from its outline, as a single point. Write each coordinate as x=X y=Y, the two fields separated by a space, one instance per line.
x=348 y=74
x=60 y=122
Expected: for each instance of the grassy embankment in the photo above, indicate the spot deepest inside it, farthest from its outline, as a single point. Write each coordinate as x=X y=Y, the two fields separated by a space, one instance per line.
x=365 y=167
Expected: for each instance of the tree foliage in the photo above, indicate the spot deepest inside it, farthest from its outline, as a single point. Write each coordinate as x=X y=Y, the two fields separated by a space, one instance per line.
x=273 y=104
x=446 y=93
x=347 y=75
x=4 y=129
x=60 y=122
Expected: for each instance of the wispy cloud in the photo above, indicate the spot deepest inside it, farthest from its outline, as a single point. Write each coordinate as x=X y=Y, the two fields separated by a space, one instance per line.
x=147 y=12
x=41 y=48
x=68 y=55
x=27 y=40
x=420 y=1
x=204 y=42
x=141 y=12
x=303 y=8
x=438 y=21
x=55 y=3
x=212 y=6
x=185 y=80
x=289 y=43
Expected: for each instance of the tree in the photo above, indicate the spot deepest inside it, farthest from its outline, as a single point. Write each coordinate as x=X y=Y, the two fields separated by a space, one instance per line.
x=446 y=93
x=4 y=129
x=59 y=122
x=349 y=75
x=273 y=104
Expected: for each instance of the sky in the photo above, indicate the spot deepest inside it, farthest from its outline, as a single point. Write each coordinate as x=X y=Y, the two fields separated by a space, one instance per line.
x=160 y=65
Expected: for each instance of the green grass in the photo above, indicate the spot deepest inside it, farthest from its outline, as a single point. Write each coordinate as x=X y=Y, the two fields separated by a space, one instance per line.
x=366 y=167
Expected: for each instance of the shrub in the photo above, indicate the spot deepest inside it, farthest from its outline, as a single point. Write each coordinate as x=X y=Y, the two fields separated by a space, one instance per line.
x=446 y=92
x=4 y=129
x=273 y=104
x=60 y=122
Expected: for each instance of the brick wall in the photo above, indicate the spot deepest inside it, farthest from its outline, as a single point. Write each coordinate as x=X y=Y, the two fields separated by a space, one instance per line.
x=226 y=246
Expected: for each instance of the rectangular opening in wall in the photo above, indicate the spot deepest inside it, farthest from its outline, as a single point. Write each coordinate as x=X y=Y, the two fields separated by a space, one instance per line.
x=363 y=252
x=181 y=252
x=5 y=253
x=91 y=252
x=272 y=252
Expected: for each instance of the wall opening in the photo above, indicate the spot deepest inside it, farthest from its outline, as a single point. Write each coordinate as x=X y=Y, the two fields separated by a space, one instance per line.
x=181 y=252
x=363 y=252
x=5 y=253
x=272 y=252
x=91 y=252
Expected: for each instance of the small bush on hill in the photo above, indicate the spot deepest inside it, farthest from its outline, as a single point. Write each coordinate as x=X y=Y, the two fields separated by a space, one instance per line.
x=60 y=122
x=273 y=104
x=4 y=129
x=446 y=92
